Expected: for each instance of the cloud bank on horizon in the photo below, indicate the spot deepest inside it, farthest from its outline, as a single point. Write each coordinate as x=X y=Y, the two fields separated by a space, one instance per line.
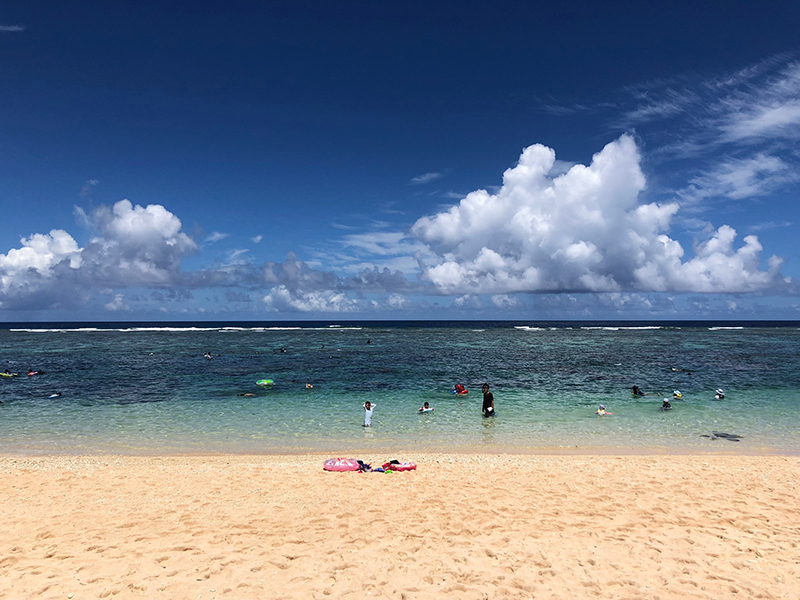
x=584 y=230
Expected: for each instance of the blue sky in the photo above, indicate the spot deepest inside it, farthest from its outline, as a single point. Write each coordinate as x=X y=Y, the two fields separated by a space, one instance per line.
x=399 y=160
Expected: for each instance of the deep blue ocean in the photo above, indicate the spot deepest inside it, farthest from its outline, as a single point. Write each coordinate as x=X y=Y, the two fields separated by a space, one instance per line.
x=146 y=388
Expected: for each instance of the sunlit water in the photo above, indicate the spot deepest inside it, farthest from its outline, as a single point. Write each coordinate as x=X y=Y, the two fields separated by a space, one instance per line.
x=143 y=389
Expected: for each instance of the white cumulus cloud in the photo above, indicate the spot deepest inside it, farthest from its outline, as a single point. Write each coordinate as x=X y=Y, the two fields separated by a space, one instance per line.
x=134 y=245
x=281 y=299
x=398 y=302
x=118 y=303
x=39 y=264
x=584 y=230
x=40 y=252
x=505 y=301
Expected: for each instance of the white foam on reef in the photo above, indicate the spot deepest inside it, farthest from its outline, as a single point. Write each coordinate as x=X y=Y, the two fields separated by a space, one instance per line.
x=170 y=329
x=258 y=328
x=56 y=330
x=154 y=329
x=723 y=328
x=621 y=328
x=526 y=328
x=177 y=329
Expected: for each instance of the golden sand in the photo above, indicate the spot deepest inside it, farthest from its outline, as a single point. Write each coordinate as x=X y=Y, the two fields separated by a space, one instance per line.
x=462 y=526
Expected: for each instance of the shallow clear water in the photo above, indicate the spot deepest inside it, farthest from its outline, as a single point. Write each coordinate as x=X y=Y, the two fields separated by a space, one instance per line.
x=149 y=389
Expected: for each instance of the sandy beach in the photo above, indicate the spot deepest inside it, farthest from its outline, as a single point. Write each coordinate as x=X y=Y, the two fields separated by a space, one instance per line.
x=473 y=526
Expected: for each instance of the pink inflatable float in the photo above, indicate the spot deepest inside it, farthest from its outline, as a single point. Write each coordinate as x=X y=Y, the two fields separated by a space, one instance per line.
x=341 y=464
x=401 y=466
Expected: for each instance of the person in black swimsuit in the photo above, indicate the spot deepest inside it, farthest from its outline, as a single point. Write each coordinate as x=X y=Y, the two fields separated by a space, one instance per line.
x=488 y=401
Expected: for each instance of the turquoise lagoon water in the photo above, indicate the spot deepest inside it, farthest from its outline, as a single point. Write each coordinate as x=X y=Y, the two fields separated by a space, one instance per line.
x=147 y=389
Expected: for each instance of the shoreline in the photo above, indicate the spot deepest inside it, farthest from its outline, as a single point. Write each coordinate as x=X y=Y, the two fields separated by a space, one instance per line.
x=723 y=448
x=463 y=526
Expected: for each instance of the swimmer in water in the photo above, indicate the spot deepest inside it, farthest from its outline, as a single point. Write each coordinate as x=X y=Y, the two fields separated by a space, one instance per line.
x=676 y=395
x=720 y=395
x=602 y=412
x=426 y=408
x=665 y=405
x=368 y=408
x=636 y=391
x=488 y=401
